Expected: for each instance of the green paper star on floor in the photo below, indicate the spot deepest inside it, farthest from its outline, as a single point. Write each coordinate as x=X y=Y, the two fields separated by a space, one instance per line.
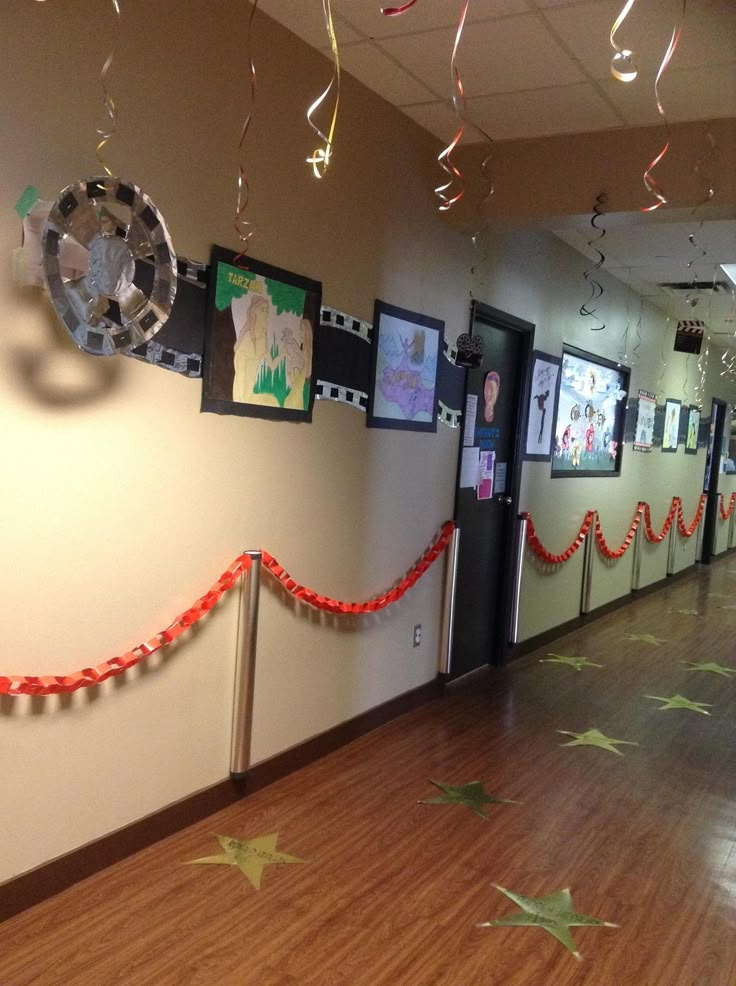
x=250 y=856
x=680 y=702
x=594 y=737
x=710 y=666
x=574 y=662
x=647 y=638
x=555 y=913
x=472 y=795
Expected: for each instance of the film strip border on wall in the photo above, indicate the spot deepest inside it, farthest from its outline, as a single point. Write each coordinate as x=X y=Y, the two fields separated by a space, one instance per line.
x=359 y=327
x=326 y=391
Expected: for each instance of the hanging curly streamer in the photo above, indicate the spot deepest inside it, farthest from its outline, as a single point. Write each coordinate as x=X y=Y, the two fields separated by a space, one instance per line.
x=244 y=227
x=447 y=198
x=650 y=183
x=394 y=11
x=596 y=290
x=618 y=22
x=106 y=133
x=320 y=158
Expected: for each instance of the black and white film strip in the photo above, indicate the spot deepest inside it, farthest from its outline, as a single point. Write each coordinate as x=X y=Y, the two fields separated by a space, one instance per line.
x=188 y=364
x=450 y=351
x=192 y=270
x=326 y=391
x=447 y=416
x=358 y=326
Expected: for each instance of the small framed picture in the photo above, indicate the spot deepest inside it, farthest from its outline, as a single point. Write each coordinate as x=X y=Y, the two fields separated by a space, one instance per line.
x=407 y=347
x=670 y=436
x=693 y=427
x=259 y=340
x=541 y=411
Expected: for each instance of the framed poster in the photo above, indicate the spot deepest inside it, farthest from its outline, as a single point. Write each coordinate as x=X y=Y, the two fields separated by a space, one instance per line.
x=589 y=423
x=644 y=435
x=259 y=339
x=407 y=347
x=693 y=427
x=540 y=415
x=670 y=436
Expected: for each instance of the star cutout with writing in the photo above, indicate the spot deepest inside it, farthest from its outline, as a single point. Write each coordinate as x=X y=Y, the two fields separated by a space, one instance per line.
x=555 y=913
x=647 y=638
x=574 y=662
x=472 y=795
x=680 y=702
x=712 y=667
x=594 y=737
x=251 y=856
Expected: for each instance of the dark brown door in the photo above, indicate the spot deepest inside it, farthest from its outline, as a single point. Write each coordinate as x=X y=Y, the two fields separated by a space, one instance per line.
x=488 y=523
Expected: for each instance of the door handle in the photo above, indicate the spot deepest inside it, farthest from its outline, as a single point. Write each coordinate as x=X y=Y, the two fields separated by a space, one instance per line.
x=502 y=498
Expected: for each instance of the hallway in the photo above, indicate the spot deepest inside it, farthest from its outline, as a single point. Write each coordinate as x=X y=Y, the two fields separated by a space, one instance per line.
x=392 y=891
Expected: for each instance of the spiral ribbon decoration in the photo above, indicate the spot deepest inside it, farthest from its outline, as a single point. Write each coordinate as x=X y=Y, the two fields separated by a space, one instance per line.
x=106 y=132
x=626 y=71
x=653 y=186
x=395 y=11
x=446 y=193
x=321 y=156
x=244 y=227
x=587 y=309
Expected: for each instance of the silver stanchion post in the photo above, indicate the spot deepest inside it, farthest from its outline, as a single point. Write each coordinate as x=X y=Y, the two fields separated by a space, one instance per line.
x=516 y=599
x=245 y=668
x=672 y=547
x=448 y=602
x=588 y=567
x=699 y=538
x=730 y=525
x=636 y=567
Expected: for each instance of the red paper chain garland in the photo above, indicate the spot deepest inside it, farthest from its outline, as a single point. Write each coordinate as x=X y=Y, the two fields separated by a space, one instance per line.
x=687 y=532
x=725 y=514
x=650 y=535
x=58 y=684
x=618 y=552
x=546 y=556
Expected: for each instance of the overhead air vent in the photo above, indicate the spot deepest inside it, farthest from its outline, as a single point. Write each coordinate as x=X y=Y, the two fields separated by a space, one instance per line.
x=687 y=287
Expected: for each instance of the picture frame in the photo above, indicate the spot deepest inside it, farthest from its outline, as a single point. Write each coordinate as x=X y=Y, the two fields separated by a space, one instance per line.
x=542 y=407
x=644 y=433
x=405 y=352
x=259 y=339
x=590 y=415
x=671 y=434
x=693 y=429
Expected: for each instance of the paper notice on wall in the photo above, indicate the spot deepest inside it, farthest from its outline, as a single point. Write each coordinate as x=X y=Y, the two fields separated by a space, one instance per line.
x=469 y=467
x=485 y=476
x=471 y=410
x=499 y=479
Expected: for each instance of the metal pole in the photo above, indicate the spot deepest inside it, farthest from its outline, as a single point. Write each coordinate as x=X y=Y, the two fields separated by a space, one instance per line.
x=672 y=547
x=519 y=568
x=245 y=668
x=699 y=538
x=448 y=602
x=636 y=569
x=588 y=567
x=730 y=527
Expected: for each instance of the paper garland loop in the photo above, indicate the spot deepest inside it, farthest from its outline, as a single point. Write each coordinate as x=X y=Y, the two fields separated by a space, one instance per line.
x=546 y=556
x=58 y=684
x=725 y=514
x=616 y=553
x=127 y=294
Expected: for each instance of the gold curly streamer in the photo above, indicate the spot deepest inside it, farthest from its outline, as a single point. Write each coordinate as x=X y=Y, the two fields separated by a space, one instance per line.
x=106 y=133
x=244 y=227
x=619 y=21
x=321 y=156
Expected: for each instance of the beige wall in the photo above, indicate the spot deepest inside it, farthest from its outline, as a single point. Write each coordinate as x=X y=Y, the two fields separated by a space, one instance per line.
x=121 y=503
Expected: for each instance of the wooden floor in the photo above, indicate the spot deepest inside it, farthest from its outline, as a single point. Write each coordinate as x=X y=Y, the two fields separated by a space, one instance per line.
x=393 y=890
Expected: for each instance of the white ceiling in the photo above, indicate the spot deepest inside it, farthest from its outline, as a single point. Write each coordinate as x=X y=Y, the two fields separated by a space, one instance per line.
x=534 y=68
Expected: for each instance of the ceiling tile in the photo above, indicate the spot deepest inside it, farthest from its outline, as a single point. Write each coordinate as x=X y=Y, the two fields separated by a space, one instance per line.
x=366 y=16
x=542 y=112
x=438 y=118
x=496 y=56
x=380 y=73
x=307 y=21
x=715 y=88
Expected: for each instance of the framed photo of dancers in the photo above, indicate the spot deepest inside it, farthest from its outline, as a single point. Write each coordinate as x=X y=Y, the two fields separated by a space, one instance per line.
x=542 y=405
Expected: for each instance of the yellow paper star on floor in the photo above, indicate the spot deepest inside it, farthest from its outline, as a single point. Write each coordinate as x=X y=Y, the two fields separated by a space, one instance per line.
x=647 y=638
x=680 y=702
x=250 y=856
x=594 y=737
x=574 y=662
x=555 y=913
x=710 y=666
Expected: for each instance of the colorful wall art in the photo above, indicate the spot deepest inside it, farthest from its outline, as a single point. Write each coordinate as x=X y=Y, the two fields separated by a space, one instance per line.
x=545 y=373
x=693 y=427
x=259 y=340
x=670 y=436
x=590 y=416
x=406 y=351
x=644 y=435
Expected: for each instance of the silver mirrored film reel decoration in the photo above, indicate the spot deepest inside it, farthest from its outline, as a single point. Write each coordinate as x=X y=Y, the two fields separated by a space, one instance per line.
x=126 y=293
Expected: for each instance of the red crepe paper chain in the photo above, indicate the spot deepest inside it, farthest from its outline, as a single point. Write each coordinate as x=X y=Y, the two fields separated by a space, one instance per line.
x=725 y=514
x=546 y=556
x=617 y=552
x=58 y=684
x=688 y=531
x=650 y=535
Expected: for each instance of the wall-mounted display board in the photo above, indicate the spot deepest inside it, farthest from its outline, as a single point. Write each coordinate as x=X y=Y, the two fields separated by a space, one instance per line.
x=591 y=408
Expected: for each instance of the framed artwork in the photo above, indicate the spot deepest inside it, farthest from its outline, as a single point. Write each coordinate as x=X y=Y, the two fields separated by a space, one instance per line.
x=693 y=428
x=671 y=433
x=644 y=434
x=540 y=415
x=591 y=408
x=406 y=350
x=259 y=339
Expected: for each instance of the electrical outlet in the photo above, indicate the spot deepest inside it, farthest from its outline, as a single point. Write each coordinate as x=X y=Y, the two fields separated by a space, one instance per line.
x=417 y=638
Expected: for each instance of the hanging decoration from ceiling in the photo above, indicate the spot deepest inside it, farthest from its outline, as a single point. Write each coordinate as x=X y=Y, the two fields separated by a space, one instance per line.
x=653 y=186
x=622 y=63
x=454 y=188
x=127 y=284
x=321 y=156
x=587 y=309
x=244 y=227
x=395 y=11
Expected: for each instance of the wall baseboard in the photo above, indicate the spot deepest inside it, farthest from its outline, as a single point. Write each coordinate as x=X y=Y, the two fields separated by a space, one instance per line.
x=51 y=878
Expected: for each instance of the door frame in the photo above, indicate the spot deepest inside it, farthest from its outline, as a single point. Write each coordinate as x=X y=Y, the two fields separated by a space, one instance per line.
x=505 y=320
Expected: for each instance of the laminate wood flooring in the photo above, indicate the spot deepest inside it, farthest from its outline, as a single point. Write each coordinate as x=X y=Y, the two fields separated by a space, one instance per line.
x=393 y=890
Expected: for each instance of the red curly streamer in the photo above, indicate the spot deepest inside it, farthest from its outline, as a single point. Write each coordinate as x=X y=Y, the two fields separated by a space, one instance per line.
x=546 y=556
x=458 y=101
x=57 y=684
x=395 y=11
x=611 y=553
x=725 y=514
